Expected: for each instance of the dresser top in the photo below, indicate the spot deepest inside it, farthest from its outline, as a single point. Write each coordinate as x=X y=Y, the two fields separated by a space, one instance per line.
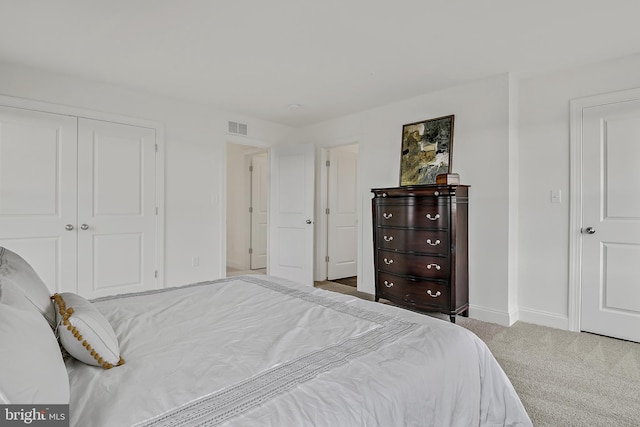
x=422 y=190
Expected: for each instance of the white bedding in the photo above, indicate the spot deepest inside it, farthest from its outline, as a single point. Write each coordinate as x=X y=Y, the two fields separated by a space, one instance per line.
x=255 y=350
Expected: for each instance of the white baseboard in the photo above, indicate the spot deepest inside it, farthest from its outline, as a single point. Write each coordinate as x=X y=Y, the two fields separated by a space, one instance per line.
x=544 y=318
x=492 y=316
x=523 y=314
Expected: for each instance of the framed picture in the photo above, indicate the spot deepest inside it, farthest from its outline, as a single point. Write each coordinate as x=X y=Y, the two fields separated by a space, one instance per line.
x=426 y=150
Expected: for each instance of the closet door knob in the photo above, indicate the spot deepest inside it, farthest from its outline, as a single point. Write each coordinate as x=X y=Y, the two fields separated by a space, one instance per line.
x=68 y=227
x=84 y=227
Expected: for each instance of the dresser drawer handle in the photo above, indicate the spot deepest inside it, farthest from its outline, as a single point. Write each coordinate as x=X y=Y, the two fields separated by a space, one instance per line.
x=436 y=295
x=388 y=284
x=436 y=243
x=387 y=215
x=384 y=194
x=433 y=218
x=387 y=238
x=388 y=261
x=433 y=265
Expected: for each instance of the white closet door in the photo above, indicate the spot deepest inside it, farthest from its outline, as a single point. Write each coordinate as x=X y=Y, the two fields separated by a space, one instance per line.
x=611 y=219
x=343 y=214
x=259 y=213
x=38 y=192
x=116 y=208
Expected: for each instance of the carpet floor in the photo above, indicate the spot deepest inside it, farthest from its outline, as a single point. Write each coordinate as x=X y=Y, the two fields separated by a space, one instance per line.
x=563 y=378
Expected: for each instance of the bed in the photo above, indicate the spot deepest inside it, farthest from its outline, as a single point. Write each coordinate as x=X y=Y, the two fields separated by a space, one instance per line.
x=263 y=351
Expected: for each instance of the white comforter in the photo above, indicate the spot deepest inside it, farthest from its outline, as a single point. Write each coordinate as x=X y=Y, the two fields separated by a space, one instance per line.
x=258 y=351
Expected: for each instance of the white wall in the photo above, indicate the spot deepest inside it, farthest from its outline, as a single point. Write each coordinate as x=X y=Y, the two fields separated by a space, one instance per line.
x=544 y=165
x=512 y=158
x=480 y=156
x=195 y=141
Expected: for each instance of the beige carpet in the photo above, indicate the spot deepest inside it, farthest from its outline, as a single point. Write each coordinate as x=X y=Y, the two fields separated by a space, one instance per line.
x=563 y=378
x=350 y=281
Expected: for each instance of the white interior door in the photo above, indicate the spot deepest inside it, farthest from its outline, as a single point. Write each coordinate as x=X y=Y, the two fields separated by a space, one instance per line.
x=611 y=220
x=343 y=214
x=259 y=210
x=116 y=208
x=38 y=192
x=291 y=214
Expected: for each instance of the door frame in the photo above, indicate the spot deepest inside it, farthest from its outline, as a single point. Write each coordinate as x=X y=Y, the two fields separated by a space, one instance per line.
x=46 y=107
x=575 y=208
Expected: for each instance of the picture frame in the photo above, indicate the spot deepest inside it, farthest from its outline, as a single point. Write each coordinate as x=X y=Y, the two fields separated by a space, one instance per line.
x=426 y=150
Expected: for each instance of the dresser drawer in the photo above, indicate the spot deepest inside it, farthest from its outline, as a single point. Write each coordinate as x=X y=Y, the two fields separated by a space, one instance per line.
x=413 y=215
x=423 y=241
x=431 y=267
x=418 y=292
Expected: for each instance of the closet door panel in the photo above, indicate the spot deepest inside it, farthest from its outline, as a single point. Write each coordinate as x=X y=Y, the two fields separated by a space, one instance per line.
x=116 y=208
x=38 y=165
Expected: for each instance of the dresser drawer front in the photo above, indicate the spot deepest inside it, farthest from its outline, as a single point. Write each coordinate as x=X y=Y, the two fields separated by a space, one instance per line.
x=431 y=267
x=423 y=241
x=418 y=292
x=419 y=216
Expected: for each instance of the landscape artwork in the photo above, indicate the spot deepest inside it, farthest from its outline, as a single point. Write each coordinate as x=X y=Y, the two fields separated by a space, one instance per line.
x=426 y=150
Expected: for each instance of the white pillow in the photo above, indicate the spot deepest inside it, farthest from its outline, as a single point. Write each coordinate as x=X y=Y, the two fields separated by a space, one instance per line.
x=14 y=269
x=31 y=367
x=85 y=333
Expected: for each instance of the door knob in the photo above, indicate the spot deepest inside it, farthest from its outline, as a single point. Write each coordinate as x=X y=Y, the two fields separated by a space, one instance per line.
x=589 y=230
x=84 y=227
x=308 y=221
x=68 y=227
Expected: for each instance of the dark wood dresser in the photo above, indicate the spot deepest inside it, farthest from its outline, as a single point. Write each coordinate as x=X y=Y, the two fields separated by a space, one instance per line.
x=420 y=245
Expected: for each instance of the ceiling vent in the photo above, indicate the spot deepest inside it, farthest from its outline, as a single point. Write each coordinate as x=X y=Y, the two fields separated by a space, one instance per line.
x=238 y=128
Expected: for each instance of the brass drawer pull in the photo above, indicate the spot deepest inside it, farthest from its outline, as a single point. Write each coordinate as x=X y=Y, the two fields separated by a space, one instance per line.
x=433 y=218
x=433 y=265
x=387 y=215
x=436 y=243
x=436 y=295
x=388 y=261
x=388 y=238
x=388 y=284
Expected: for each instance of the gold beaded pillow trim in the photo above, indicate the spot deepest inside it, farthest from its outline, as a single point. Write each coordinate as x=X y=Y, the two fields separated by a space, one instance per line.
x=85 y=333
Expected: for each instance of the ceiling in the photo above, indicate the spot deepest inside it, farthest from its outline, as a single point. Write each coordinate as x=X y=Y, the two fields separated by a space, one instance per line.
x=255 y=57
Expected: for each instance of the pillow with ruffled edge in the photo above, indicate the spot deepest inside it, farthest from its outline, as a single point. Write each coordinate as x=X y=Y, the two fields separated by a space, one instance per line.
x=85 y=333
x=31 y=365
x=14 y=269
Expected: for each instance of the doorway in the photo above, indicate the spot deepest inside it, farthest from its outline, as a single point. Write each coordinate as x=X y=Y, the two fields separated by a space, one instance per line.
x=247 y=203
x=605 y=222
x=341 y=214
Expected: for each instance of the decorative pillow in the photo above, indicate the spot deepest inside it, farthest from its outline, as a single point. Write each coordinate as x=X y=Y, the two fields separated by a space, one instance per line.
x=31 y=366
x=14 y=269
x=85 y=333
